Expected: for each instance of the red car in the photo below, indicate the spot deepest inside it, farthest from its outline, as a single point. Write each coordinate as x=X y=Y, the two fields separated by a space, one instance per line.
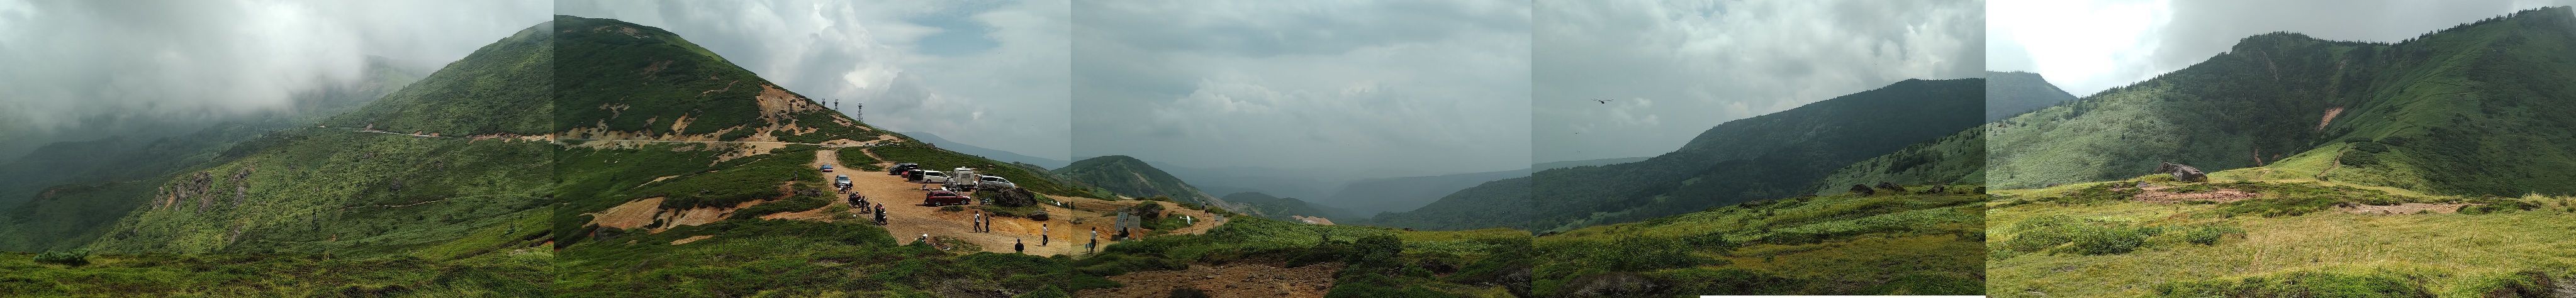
x=944 y=198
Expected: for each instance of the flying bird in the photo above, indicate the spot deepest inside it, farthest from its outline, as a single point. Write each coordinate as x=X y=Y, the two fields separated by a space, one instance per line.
x=1603 y=100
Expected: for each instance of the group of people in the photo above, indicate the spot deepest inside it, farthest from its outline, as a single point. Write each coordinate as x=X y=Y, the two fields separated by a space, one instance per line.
x=861 y=203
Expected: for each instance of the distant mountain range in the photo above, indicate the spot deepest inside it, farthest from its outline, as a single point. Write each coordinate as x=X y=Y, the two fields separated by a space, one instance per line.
x=1127 y=176
x=995 y=154
x=1764 y=157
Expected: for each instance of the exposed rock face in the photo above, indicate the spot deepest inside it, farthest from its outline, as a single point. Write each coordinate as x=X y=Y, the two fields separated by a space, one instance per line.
x=2182 y=172
x=1862 y=190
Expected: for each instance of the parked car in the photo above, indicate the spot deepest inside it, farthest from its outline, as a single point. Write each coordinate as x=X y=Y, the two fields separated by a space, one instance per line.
x=841 y=180
x=899 y=169
x=994 y=182
x=944 y=198
x=827 y=168
x=934 y=177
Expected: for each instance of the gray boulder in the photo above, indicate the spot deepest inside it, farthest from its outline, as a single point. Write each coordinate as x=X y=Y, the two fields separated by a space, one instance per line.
x=2183 y=172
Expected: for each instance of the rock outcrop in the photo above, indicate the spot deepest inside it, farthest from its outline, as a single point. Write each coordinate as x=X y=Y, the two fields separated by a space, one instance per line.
x=2183 y=172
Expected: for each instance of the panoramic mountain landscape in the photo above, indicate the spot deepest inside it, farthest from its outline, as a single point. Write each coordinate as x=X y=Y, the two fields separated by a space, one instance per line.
x=2434 y=166
x=677 y=171
x=1287 y=149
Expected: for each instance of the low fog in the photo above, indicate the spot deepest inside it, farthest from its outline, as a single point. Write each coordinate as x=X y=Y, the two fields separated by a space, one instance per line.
x=80 y=70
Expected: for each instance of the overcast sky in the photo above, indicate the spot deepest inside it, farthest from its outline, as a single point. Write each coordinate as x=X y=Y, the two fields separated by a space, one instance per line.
x=1387 y=87
x=67 y=60
x=2087 y=46
x=987 y=73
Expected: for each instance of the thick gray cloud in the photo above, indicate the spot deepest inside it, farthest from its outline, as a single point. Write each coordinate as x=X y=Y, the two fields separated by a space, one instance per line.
x=71 y=61
x=2088 y=46
x=1370 y=88
x=988 y=73
x=1673 y=69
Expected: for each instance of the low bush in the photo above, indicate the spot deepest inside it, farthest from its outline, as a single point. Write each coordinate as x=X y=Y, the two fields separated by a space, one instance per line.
x=2299 y=284
x=2209 y=235
x=75 y=257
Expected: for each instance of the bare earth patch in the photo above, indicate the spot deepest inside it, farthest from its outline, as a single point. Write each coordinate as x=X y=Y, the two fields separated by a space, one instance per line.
x=691 y=239
x=1312 y=220
x=629 y=215
x=2157 y=194
x=2406 y=208
x=908 y=220
x=1232 y=280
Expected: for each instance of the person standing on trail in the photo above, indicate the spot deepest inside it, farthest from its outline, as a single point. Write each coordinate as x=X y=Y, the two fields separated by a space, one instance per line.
x=1017 y=247
x=1042 y=235
x=1095 y=241
x=976 y=224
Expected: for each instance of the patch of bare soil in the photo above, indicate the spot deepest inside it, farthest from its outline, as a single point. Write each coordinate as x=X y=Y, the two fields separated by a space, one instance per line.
x=629 y=215
x=1231 y=280
x=1312 y=220
x=2406 y=208
x=2565 y=288
x=2329 y=118
x=691 y=239
x=2157 y=194
x=908 y=220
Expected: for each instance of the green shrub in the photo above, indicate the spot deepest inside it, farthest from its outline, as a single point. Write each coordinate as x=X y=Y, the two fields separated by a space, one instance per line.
x=2042 y=233
x=74 y=257
x=2491 y=206
x=2209 y=235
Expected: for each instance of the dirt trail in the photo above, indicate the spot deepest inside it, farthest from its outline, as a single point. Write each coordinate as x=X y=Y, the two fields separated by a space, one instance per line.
x=1232 y=280
x=2157 y=194
x=908 y=221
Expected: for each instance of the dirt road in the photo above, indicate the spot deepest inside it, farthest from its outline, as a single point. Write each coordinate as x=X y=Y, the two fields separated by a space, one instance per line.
x=908 y=221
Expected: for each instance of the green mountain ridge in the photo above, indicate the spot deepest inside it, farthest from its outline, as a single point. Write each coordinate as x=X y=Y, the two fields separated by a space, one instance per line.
x=2474 y=109
x=1764 y=157
x=1128 y=176
x=315 y=190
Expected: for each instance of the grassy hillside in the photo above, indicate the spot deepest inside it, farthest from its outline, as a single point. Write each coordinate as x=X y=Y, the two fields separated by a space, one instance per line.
x=504 y=87
x=1130 y=177
x=1888 y=244
x=396 y=213
x=64 y=194
x=1956 y=159
x=1765 y=157
x=2467 y=110
x=2292 y=239
x=517 y=273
